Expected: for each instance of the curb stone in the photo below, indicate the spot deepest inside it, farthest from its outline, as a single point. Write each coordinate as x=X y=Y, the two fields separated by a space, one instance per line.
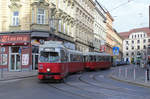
x=130 y=82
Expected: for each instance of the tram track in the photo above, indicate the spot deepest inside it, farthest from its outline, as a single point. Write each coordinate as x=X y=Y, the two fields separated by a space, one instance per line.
x=113 y=89
x=68 y=92
x=73 y=88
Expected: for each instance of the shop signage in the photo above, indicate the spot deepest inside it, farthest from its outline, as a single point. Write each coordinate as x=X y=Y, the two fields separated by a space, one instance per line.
x=13 y=38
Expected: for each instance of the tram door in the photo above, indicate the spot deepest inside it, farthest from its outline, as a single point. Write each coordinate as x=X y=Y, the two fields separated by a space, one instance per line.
x=15 y=59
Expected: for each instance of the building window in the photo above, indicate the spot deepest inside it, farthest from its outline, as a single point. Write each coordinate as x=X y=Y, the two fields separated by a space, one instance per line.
x=127 y=42
x=138 y=41
x=15 y=18
x=132 y=53
x=132 y=42
x=41 y=16
x=126 y=48
x=138 y=47
x=59 y=25
x=148 y=40
x=32 y=15
x=132 y=47
x=138 y=35
x=64 y=27
x=144 y=47
x=144 y=41
x=127 y=54
x=135 y=36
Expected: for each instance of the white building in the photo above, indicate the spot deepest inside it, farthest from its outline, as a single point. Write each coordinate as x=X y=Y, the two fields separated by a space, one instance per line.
x=99 y=26
x=135 y=44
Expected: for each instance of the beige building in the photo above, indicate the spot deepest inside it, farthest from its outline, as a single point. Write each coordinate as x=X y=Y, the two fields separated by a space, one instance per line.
x=71 y=20
x=113 y=38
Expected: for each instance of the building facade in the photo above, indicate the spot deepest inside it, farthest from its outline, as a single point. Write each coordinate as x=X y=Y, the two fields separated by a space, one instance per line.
x=84 y=10
x=36 y=20
x=113 y=39
x=99 y=27
x=135 y=44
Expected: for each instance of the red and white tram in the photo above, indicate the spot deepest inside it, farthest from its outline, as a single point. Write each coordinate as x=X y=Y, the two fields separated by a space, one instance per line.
x=94 y=60
x=53 y=61
x=56 y=61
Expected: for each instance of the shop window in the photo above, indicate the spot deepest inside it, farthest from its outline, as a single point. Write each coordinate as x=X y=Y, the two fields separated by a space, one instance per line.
x=35 y=49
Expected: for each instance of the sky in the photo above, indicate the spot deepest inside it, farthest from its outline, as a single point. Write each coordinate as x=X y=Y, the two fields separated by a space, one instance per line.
x=128 y=14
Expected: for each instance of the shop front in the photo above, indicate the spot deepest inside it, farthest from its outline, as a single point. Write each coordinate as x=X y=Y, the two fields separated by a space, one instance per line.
x=15 y=52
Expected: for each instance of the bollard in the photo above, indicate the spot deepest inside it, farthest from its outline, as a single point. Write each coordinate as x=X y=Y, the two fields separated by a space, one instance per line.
x=1 y=73
x=134 y=74
x=119 y=72
x=126 y=72
x=147 y=74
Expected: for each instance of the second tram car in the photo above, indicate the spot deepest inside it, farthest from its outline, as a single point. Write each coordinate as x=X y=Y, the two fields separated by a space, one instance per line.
x=94 y=60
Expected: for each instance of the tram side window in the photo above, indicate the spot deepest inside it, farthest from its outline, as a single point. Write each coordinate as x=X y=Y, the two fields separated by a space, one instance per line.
x=103 y=58
x=64 y=57
x=100 y=58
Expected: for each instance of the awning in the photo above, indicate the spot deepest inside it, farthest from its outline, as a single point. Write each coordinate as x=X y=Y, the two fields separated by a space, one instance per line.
x=39 y=34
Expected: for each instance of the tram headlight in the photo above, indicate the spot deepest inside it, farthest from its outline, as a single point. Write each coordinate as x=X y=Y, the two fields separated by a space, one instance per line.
x=48 y=69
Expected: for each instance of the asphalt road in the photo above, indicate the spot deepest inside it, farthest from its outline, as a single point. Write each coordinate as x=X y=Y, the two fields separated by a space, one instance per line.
x=87 y=85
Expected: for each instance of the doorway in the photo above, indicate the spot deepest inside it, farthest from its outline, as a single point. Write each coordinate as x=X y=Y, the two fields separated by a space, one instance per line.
x=15 y=59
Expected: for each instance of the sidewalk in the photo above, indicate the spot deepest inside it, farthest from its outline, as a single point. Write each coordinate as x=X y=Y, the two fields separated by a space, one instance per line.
x=5 y=75
x=131 y=74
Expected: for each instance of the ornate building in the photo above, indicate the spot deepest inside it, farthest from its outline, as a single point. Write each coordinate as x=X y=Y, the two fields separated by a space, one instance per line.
x=84 y=24
x=24 y=24
x=99 y=27
x=135 y=44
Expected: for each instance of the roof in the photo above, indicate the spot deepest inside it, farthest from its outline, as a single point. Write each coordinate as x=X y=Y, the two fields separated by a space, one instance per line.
x=125 y=35
x=96 y=53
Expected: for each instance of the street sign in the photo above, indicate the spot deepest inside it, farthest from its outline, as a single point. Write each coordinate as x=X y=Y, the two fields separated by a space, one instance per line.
x=116 y=50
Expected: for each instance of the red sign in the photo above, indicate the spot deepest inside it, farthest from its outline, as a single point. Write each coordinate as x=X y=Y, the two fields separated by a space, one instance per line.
x=13 y=38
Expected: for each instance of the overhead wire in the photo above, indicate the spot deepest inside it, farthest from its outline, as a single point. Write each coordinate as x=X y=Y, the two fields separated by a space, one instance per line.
x=122 y=4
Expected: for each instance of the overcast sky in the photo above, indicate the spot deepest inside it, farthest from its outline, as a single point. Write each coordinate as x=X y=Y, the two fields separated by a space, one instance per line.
x=128 y=15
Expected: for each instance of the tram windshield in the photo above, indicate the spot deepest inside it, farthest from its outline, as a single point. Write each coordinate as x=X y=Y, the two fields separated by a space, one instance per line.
x=50 y=57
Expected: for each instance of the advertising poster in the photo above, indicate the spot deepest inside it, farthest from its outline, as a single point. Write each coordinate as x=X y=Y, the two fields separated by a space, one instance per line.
x=25 y=59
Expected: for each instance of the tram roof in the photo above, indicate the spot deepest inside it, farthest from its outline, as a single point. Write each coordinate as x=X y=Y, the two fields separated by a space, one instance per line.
x=96 y=53
x=55 y=44
x=75 y=51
